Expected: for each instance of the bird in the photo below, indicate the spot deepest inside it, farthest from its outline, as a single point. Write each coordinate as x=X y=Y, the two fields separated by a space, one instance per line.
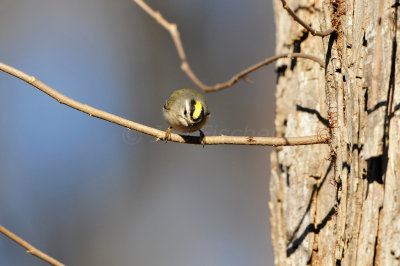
x=186 y=111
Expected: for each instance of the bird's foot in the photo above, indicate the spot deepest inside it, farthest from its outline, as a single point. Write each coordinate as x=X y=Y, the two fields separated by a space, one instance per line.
x=167 y=135
x=202 y=137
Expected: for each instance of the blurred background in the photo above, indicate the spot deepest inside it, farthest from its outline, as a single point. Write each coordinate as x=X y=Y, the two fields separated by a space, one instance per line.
x=89 y=192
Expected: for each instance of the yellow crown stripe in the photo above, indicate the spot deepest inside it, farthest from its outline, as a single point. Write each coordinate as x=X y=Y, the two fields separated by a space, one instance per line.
x=197 y=110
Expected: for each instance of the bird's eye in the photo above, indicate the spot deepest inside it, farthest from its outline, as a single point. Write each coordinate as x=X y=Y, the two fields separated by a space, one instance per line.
x=185 y=112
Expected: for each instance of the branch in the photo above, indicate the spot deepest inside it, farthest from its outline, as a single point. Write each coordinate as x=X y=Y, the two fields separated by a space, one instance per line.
x=29 y=248
x=267 y=61
x=173 y=31
x=305 y=25
x=208 y=140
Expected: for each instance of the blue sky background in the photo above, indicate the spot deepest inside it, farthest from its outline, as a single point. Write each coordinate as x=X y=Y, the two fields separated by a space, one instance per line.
x=89 y=192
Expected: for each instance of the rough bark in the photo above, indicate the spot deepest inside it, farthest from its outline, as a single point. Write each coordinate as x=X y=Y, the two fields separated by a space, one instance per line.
x=338 y=204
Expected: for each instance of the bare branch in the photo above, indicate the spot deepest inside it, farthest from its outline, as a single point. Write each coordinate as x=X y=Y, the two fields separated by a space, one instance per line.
x=305 y=25
x=173 y=30
x=267 y=61
x=29 y=248
x=208 y=140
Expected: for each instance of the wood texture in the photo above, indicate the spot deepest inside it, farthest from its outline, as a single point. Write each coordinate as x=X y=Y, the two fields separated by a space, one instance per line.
x=338 y=204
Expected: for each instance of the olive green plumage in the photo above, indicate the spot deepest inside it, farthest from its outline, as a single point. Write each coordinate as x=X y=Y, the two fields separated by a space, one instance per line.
x=186 y=110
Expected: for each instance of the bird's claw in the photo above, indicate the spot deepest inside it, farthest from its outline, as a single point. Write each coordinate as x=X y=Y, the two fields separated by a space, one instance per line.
x=167 y=135
x=202 y=137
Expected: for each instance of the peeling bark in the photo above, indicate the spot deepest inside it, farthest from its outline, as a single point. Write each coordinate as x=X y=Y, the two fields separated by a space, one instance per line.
x=338 y=204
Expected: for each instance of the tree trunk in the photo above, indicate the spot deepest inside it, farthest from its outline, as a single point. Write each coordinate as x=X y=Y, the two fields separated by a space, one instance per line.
x=338 y=204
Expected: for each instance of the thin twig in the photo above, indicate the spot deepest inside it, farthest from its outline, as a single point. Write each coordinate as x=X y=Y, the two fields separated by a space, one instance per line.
x=159 y=134
x=305 y=25
x=29 y=248
x=267 y=61
x=173 y=30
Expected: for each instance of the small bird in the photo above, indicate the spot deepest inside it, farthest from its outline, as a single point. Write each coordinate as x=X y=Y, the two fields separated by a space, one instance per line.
x=186 y=110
